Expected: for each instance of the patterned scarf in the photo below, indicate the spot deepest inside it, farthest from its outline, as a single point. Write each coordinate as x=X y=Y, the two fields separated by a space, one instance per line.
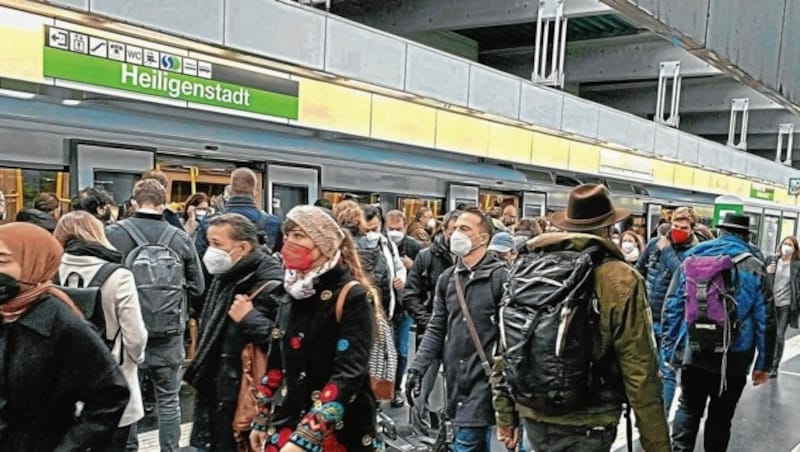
x=301 y=285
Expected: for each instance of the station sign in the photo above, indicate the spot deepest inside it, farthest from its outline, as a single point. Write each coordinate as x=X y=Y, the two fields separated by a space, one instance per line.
x=126 y=67
x=794 y=186
x=762 y=192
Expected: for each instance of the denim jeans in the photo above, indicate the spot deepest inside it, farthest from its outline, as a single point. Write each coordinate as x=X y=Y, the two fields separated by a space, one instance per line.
x=782 y=318
x=163 y=359
x=697 y=388
x=543 y=437
x=668 y=374
x=473 y=439
x=402 y=333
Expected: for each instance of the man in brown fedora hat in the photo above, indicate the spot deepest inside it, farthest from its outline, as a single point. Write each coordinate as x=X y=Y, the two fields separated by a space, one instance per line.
x=614 y=333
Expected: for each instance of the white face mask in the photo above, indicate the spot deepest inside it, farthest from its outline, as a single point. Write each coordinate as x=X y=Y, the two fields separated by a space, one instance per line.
x=460 y=244
x=200 y=214
x=628 y=247
x=787 y=250
x=373 y=236
x=217 y=261
x=396 y=236
x=431 y=223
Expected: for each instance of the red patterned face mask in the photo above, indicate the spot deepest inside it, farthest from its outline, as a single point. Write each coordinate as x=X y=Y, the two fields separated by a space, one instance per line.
x=678 y=235
x=296 y=257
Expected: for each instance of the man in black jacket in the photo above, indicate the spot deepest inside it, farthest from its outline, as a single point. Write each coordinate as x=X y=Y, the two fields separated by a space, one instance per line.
x=452 y=332
x=163 y=355
x=429 y=264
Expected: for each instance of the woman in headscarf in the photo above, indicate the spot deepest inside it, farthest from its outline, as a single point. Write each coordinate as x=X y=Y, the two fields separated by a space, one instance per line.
x=316 y=393
x=50 y=358
x=89 y=256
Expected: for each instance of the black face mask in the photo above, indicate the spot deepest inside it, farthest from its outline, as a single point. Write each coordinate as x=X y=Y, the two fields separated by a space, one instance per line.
x=9 y=288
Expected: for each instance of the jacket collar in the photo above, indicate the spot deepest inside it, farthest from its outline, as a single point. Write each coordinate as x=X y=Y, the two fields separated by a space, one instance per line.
x=149 y=216
x=483 y=269
x=40 y=317
x=240 y=201
x=246 y=266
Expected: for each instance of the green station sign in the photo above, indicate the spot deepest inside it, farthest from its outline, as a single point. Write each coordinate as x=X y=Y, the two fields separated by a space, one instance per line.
x=761 y=192
x=90 y=60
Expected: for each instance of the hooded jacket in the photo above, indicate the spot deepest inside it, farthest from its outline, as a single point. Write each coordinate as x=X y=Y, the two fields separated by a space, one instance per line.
x=624 y=351
x=469 y=397
x=657 y=267
x=755 y=310
x=37 y=217
x=422 y=276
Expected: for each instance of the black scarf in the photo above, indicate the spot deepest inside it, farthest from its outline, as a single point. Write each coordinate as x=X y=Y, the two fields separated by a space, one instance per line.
x=214 y=317
x=77 y=247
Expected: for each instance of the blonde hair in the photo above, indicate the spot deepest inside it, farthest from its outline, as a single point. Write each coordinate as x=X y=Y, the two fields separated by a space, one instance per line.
x=685 y=213
x=83 y=226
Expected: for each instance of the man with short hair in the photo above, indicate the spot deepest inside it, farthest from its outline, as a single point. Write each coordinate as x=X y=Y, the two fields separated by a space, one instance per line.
x=418 y=298
x=94 y=201
x=464 y=331
x=708 y=376
x=662 y=257
x=172 y=217
x=510 y=215
x=623 y=364
x=164 y=353
x=244 y=184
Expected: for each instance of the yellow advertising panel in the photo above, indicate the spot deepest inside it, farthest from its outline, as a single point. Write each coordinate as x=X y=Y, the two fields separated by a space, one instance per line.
x=510 y=143
x=460 y=133
x=584 y=157
x=625 y=166
x=333 y=107
x=701 y=180
x=663 y=172
x=719 y=183
x=403 y=122
x=550 y=151
x=21 y=45
x=684 y=176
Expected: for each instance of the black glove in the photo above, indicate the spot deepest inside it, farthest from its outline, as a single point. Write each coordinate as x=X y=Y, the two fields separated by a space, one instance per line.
x=413 y=386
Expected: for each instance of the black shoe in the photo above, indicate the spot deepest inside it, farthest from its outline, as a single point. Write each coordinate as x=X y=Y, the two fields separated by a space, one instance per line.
x=773 y=374
x=399 y=401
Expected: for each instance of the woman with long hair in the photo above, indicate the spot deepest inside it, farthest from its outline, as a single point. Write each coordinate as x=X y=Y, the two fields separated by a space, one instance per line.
x=89 y=255
x=783 y=270
x=195 y=209
x=51 y=358
x=632 y=246
x=316 y=393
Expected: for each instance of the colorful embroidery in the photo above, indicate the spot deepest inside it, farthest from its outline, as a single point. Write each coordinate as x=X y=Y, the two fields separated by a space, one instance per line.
x=329 y=393
x=295 y=342
x=342 y=345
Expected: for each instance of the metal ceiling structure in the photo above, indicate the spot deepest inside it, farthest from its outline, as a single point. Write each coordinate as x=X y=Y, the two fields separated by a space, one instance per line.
x=609 y=58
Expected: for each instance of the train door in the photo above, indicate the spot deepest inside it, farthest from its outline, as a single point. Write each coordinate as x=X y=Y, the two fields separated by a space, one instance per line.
x=289 y=186
x=788 y=224
x=655 y=213
x=462 y=196
x=112 y=167
x=770 y=230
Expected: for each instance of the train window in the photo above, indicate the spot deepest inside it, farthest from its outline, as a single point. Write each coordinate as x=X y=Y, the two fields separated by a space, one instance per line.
x=20 y=186
x=769 y=234
x=284 y=197
x=182 y=190
x=492 y=199
x=410 y=206
x=335 y=197
x=118 y=185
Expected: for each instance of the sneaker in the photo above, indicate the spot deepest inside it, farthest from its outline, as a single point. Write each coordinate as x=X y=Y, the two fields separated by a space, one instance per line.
x=399 y=401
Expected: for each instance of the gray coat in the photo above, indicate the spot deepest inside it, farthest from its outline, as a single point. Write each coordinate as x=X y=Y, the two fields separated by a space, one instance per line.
x=469 y=396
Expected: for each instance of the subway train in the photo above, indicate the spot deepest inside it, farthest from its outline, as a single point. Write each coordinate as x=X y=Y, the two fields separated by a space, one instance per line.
x=60 y=146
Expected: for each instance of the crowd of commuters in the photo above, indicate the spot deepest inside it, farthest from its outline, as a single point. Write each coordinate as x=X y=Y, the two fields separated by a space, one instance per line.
x=296 y=315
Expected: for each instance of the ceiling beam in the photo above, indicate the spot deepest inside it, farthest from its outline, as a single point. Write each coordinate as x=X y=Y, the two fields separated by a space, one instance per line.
x=697 y=96
x=717 y=123
x=406 y=17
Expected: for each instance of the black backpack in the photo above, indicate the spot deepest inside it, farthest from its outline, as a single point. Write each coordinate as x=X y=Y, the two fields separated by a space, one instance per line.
x=548 y=315
x=89 y=298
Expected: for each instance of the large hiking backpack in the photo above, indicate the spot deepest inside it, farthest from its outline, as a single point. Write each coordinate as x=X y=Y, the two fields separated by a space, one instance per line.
x=89 y=298
x=373 y=261
x=548 y=314
x=160 y=280
x=710 y=309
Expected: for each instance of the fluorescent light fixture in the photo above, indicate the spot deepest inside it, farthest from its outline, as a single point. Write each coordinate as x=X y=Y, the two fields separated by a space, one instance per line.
x=17 y=94
x=71 y=102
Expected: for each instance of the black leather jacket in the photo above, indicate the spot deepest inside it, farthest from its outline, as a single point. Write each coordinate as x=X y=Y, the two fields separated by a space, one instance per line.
x=421 y=280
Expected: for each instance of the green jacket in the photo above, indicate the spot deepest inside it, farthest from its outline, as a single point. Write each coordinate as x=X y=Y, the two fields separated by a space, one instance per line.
x=623 y=341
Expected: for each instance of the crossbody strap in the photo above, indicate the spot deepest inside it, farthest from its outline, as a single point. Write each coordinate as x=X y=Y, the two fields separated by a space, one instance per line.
x=341 y=299
x=473 y=333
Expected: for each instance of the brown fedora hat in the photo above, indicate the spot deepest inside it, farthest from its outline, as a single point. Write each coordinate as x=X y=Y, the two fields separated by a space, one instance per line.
x=589 y=208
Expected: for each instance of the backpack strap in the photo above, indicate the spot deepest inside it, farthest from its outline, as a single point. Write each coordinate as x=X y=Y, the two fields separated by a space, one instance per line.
x=105 y=271
x=345 y=290
x=166 y=236
x=739 y=258
x=134 y=232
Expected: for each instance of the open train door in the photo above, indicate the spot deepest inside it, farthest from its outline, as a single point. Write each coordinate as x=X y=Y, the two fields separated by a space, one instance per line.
x=113 y=167
x=533 y=204
x=462 y=195
x=653 y=216
x=291 y=185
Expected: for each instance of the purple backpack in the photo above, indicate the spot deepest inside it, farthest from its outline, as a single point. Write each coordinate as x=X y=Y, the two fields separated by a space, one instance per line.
x=711 y=315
